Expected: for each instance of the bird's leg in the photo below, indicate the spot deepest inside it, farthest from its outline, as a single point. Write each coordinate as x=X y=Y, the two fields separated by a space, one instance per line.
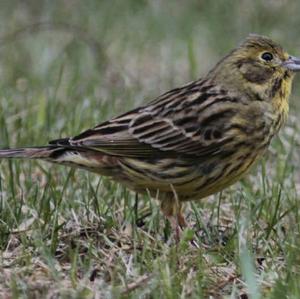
x=172 y=209
x=175 y=227
x=181 y=220
x=178 y=224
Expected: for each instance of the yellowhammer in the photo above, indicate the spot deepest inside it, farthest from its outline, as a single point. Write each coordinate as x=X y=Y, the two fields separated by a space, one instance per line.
x=194 y=140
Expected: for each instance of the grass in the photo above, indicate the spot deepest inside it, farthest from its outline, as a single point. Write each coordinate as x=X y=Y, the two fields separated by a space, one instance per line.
x=71 y=234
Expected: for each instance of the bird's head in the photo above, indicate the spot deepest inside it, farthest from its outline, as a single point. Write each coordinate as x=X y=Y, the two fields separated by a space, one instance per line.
x=258 y=65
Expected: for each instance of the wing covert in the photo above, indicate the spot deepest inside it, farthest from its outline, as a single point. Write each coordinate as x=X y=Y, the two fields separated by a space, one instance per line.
x=187 y=121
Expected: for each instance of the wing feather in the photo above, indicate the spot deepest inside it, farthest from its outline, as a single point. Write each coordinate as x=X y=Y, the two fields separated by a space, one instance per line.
x=180 y=122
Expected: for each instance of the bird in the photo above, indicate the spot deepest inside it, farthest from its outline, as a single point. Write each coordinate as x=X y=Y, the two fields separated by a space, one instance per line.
x=194 y=140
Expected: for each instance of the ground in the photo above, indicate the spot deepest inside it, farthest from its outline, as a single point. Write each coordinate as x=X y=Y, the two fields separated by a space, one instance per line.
x=66 y=66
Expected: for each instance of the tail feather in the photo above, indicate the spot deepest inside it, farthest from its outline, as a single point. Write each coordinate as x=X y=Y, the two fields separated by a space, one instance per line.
x=82 y=158
x=42 y=152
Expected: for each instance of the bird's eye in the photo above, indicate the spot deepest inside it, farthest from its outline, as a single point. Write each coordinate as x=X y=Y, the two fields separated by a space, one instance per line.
x=267 y=56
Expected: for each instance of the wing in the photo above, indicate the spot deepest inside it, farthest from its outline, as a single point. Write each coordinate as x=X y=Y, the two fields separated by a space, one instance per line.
x=188 y=121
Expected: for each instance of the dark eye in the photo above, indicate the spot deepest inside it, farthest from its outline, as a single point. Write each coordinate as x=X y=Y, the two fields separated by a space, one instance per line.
x=267 y=56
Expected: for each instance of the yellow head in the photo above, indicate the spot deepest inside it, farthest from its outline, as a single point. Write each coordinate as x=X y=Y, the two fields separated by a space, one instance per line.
x=259 y=68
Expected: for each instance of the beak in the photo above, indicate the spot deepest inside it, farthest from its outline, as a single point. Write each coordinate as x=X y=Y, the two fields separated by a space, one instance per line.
x=293 y=64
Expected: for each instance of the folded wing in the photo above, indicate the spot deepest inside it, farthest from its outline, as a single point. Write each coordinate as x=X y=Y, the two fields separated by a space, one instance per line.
x=185 y=122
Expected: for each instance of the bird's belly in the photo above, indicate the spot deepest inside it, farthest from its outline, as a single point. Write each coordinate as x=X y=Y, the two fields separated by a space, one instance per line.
x=189 y=179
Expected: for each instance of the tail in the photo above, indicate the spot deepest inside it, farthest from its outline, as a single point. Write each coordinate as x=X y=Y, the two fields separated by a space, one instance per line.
x=43 y=152
x=75 y=157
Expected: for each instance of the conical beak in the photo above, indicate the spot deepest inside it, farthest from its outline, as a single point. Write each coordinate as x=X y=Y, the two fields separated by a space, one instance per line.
x=293 y=64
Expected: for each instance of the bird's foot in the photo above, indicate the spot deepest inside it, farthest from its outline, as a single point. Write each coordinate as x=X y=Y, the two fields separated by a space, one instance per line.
x=182 y=230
